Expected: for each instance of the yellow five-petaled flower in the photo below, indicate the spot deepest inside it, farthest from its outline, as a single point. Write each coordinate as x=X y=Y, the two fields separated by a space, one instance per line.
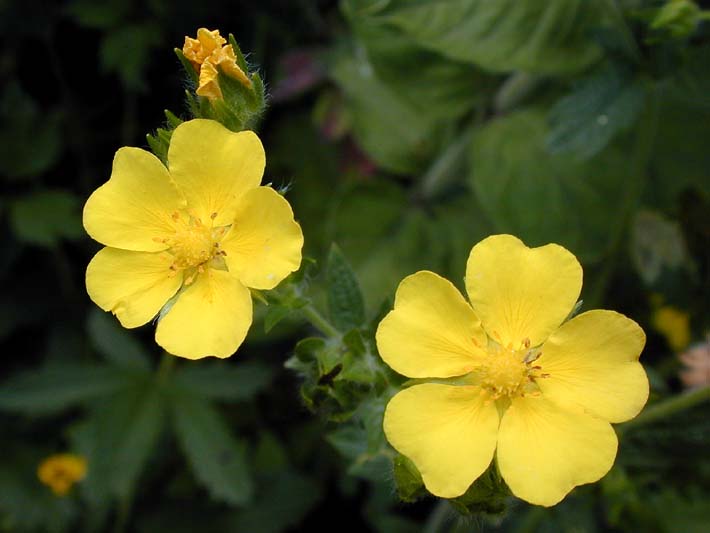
x=537 y=392
x=190 y=239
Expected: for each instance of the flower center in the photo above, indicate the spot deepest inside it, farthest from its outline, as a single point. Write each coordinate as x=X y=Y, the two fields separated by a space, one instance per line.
x=193 y=244
x=508 y=372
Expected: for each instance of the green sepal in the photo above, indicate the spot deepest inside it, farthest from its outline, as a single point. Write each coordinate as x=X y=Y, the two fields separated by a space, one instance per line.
x=486 y=495
x=189 y=69
x=241 y=62
x=410 y=486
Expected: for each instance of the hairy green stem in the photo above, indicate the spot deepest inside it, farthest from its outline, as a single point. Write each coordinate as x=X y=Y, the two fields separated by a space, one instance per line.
x=318 y=321
x=666 y=408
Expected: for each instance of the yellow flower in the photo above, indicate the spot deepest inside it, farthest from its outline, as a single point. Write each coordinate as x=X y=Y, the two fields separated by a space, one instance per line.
x=209 y=54
x=674 y=324
x=59 y=472
x=538 y=393
x=196 y=235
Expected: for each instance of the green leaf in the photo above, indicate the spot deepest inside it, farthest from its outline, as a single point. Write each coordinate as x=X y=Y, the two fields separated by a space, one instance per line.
x=281 y=504
x=542 y=36
x=56 y=387
x=541 y=197
x=218 y=459
x=115 y=343
x=101 y=16
x=398 y=137
x=223 y=381
x=600 y=106
x=118 y=439
x=30 y=139
x=125 y=51
x=345 y=301
x=46 y=217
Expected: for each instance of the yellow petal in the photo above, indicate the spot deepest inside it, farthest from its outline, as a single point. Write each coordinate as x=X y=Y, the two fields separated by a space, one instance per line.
x=264 y=244
x=132 y=209
x=225 y=59
x=521 y=293
x=210 y=317
x=432 y=331
x=592 y=362
x=545 y=451
x=214 y=167
x=448 y=432
x=209 y=82
x=132 y=285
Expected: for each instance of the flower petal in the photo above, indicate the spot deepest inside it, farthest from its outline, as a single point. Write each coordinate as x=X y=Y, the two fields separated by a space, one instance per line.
x=213 y=167
x=432 y=331
x=132 y=209
x=521 y=293
x=545 y=451
x=264 y=244
x=134 y=286
x=210 y=317
x=448 y=432
x=592 y=361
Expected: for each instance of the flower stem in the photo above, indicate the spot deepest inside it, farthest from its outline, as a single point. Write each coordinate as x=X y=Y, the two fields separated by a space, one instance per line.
x=668 y=407
x=165 y=367
x=318 y=321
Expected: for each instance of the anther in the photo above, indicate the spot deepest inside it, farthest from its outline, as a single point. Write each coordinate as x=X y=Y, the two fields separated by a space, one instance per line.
x=213 y=215
x=526 y=342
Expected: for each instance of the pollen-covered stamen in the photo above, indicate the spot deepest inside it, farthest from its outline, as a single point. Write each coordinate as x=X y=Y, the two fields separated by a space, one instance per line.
x=193 y=244
x=508 y=373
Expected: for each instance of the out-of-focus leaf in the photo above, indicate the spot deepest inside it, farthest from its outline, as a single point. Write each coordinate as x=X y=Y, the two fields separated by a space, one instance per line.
x=217 y=458
x=395 y=135
x=125 y=51
x=281 y=504
x=345 y=302
x=118 y=438
x=600 y=106
x=116 y=344
x=99 y=16
x=224 y=382
x=544 y=36
x=542 y=197
x=45 y=217
x=30 y=140
x=429 y=82
x=680 y=158
x=657 y=243
x=53 y=388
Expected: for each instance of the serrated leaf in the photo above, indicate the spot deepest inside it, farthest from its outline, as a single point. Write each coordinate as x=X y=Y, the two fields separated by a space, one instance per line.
x=217 y=458
x=543 y=36
x=53 y=388
x=345 y=301
x=225 y=382
x=46 y=217
x=116 y=344
x=600 y=106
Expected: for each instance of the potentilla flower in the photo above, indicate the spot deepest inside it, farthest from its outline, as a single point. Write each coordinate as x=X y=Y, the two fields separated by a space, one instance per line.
x=61 y=471
x=537 y=392
x=190 y=239
x=674 y=325
x=210 y=54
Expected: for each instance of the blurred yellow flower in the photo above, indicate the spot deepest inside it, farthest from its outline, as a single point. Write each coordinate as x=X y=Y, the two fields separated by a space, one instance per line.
x=209 y=54
x=534 y=390
x=59 y=472
x=195 y=236
x=674 y=325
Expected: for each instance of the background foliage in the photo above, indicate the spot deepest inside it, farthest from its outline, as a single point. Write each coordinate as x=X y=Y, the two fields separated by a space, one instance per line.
x=407 y=131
